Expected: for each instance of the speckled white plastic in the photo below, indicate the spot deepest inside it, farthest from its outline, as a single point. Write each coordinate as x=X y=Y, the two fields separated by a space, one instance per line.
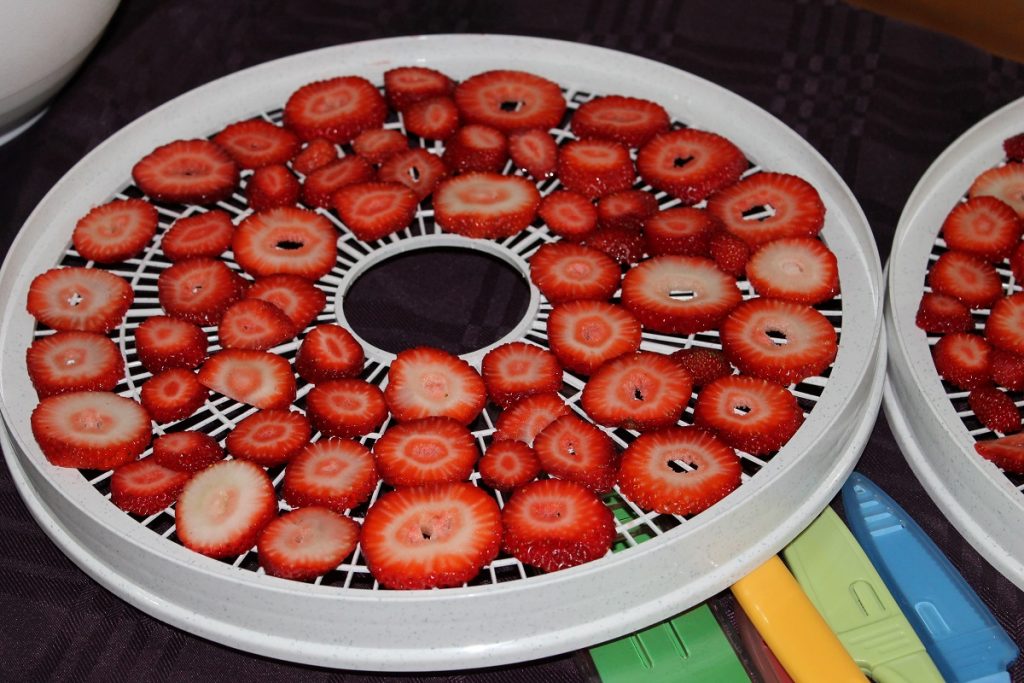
x=470 y=626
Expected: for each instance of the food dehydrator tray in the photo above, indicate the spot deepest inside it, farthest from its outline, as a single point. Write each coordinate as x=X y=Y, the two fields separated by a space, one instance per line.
x=666 y=563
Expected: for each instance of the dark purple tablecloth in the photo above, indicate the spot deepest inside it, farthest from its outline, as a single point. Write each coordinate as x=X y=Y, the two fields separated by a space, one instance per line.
x=877 y=98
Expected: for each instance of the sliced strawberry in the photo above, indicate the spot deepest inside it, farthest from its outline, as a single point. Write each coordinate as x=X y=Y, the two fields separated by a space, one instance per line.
x=527 y=417
x=199 y=290
x=83 y=299
x=405 y=85
x=329 y=352
x=628 y=209
x=1017 y=263
x=769 y=206
x=256 y=378
x=162 y=343
x=320 y=185
x=222 y=509
x=641 y=392
x=1005 y=183
x=427 y=382
x=730 y=253
x=375 y=210
x=553 y=524
x=1007 y=369
x=1006 y=452
x=534 y=151
x=94 y=430
x=682 y=230
x=378 y=144
x=679 y=294
x=296 y=297
x=983 y=226
x=568 y=214
x=286 y=240
x=485 y=205
x=963 y=360
x=337 y=109
x=799 y=269
x=507 y=465
x=1013 y=146
x=1004 y=328
x=515 y=370
x=585 y=334
x=476 y=148
x=749 y=414
x=435 y=118
x=338 y=474
x=510 y=100
x=145 y=487
x=967 y=278
x=624 y=245
x=431 y=536
x=257 y=143
x=115 y=231
x=595 y=168
x=254 y=324
x=690 y=164
x=994 y=409
x=940 y=314
x=627 y=120
x=346 y=407
x=679 y=470
x=564 y=271
x=574 y=449
x=269 y=437
x=304 y=544
x=316 y=154
x=186 y=451
x=270 y=187
x=435 y=450
x=172 y=395
x=76 y=361
x=704 y=365
x=417 y=169
x=187 y=172
x=204 y=235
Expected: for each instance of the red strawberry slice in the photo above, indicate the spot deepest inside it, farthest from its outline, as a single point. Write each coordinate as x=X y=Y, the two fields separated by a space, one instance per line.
x=679 y=294
x=690 y=164
x=187 y=172
x=145 y=487
x=162 y=343
x=346 y=407
x=378 y=144
x=254 y=324
x=435 y=118
x=553 y=524
x=427 y=382
x=435 y=450
x=256 y=378
x=269 y=437
x=749 y=414
x=417 y=169
x=568 y=214
x=338 y=474
x=940 y=314
x=1005 y=326
x=83 y=299
x=528 y=417
x=534 y=151
x=730 y=253
x=1007 y=369
x=983 y=226
x=316 y=154
x=222 y=509
x=1005 y=183
x=256 y=143
x=507 y=465
x=199 y=290
x=93 y=430
x=74 y=361
x=510 y=100
x=475 y=148
x=405 y=85
x=485 y=205
x=204 y=235
x=624 y=245
x=679 y=470
x=307 y=543
x=337 y=109
x=769 y=206
x=628 y=209
x=1013 y=146
x=272 y=186
x=779 y=341
x=1017 y=262
x=374 y=210
x=642 y=392
x=963 y=360
x=320 y=185
x=115 y=231
x=595 y=168
x=431 y=536
x=296 y=297
x=1006 y=452
x=585 y=334
x=628 y=120
x=516 y=370
x=329 y=352
x=564 y=271
x=994 y=409
x=172 y=395
x=799 y=269
x=704 y=365
x=967 y=278
x=186 y=451
x=681 y=230
x=286 y=240
x=574 y=449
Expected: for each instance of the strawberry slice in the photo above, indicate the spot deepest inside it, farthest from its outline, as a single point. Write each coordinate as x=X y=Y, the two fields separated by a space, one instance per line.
x=74 y=361
x=769 y=206
x=186 y=451
x=534 y=151
x=679 y=294
x=485 y=205
x=256 y=378
x=431 y=536
x=702 y=364
x=378 y=144
x=798 y=269
x=286 y=240
x=528 y=417
x=983 y=226
x=199 y=290
x=320 y=185
x=338 y=474
x=1013 y=146
x=187 y=172
x=641 y=392
x=627 y=210
x=630 y=121
x=145 y=487
x=115 y=231
x=172 y=395
x=681 y=230
x=83 y=299
x=93 y=430
x=417 y=169
x=257 y=143
x=254 y=324
x=568 y=214
x=516 y=370
x=1017 y=262
x=222 y=509
x=434 y=450
x=1006 y=452
x=316 y=154
x=994 y=409
x=553 y=524
x=337 y=109
x=269 y=437
x=730 y=253
x=405 y=85
x=510 y=100
x=162 y=343
x=270 y=187
x=1005 y=326
x=296 y=297
x=1005 y=183
x=346 y=407
x=679 y=470
x=967 y=278
x=307 y=543
x=574 y=449
x=749 y=414
x=1007 y=369
x=436 y=118
x=329 y=352
x=426 y=382
x=690 y=164
x=624 y=245
x=375 y=210
x=204 y=235
x=564 y=271
x=585 y=334
x=595 y=168
x=475 y=148
x=940 y=314
x=963 y=360
x=507 y=465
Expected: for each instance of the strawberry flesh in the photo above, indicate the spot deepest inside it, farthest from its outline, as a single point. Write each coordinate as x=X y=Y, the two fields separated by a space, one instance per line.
x=436 y=118
x=199 y=291
x=528 y=417
x=337 y=109
x=83 y=299
x=254 y=324
x=507 y=465
x=321 y=185
x=626 y=210
x=679 y=294
x=983 y=226
x=595 y=168
x=378 y=144
x=269 y=437
x=172 y=395
x=346 y=408
x=476 y=148
x=257 y=143
x=681 y=230
x=115 y=231
x=798 y=269
x=434 y=450
x=329 y=352
x=585 y=334
x=427 y=382
x=963 y=360
x=203 y=235
x=163 y=342
x=307 y=543
x=94 y=430
x=375 y=210
x=187 y=172
x=534 y=151
x=690 y=164
x=749 y=414
x=73 y=361
x=270 y=187
x=256 y=378
x=516 y=370
x=576 y=450
x=568 y=214
x=485 y=205
x=994 y=409
x=769 y=206
x=286 y=240
x=640 y=392
x=939 y=314
x=145 y=487
x=510 y=100
x=628 y=120
x=405 y=85
x=296 y=297
x=564 y=271
x=186 y=451
x=417 y=169
x=338 y=474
